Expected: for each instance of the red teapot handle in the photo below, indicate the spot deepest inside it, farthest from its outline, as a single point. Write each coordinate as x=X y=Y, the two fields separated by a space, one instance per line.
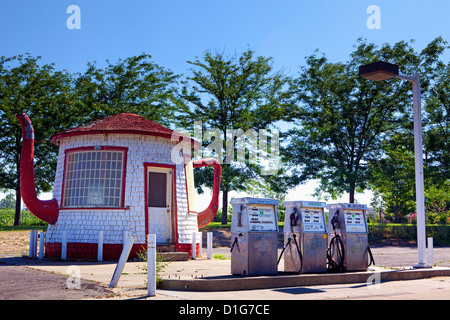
x=206 y=216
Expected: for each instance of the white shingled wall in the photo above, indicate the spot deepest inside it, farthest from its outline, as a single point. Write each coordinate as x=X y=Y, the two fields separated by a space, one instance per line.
x=82 y=225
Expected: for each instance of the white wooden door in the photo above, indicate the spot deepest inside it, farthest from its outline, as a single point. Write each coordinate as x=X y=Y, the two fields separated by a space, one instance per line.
x=159 y=182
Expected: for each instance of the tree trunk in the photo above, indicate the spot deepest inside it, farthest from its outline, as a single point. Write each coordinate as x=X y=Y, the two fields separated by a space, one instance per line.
x=224 y=206
x=17 y=154
x=18 y=194
x=352 y=193
x=397 y=208
x=18 y=205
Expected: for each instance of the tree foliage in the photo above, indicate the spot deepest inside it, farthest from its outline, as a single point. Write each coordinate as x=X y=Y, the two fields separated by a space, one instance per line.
x=237 y=93
x=46 y=96
x=134 y=85
x=393 y=176
x=342 y=120
x=437 y=128
x=57 y=100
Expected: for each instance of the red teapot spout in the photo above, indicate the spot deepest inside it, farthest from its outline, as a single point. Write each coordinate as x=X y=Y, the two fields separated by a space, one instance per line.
x=46 y=210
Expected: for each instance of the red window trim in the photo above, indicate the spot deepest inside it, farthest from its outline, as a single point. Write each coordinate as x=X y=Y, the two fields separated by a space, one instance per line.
x=124 y=172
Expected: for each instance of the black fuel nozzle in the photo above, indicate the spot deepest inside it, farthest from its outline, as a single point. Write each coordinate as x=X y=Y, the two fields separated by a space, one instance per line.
x=234 y=242
x=335 y=221
x=294 y=217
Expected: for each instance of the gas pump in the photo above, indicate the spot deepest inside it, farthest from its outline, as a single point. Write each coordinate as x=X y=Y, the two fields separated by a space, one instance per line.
x=347 y=229
x=254 y=236
x=305 y=237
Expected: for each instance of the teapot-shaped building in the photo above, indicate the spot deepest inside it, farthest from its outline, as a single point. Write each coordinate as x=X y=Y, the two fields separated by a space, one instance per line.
x=117 y=175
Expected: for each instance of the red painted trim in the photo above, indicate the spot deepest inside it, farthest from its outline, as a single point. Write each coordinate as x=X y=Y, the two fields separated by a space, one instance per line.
x=124 y=175
x=94 y=148
x=175 y=209
x=84 y=250
x=61 y=199
x=95 y=208
x=83 y=133
x=174 y=197
x=89 y=148
x=159 y=165
x=194 y=143
x=146 y=200
x=187 y=247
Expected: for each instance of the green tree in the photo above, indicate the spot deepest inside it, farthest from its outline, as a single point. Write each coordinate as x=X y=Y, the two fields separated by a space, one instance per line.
x=437 y=148
x=437 y=129
x=133 y=85
x=393 y=176
x=342 y=119
x=9 y=202
x=437 y=203
x=237 y=94
x=46 y=96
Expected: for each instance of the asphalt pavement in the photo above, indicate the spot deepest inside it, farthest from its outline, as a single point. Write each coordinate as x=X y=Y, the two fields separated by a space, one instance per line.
x=96 y=276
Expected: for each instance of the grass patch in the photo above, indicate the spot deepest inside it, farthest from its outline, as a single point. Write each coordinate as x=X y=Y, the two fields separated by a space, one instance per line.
x=216 y=225
x=27 y=220
x=161 y=264
x=408 y=232
x=220 y=257
x=22 y=228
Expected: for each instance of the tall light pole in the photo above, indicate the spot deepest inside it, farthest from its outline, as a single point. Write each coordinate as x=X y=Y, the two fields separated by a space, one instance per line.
x=379 y=71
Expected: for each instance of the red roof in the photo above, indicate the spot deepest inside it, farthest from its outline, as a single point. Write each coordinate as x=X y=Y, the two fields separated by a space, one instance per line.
x=121 y=123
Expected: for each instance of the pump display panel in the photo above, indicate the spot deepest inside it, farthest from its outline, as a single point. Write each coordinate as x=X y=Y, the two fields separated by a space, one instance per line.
x=254 y=236
x=313 y=220
x=262 y=218
x=355 y=221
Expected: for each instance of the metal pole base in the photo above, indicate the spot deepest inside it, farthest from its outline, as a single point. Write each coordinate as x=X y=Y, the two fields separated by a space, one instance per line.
x=422 y=265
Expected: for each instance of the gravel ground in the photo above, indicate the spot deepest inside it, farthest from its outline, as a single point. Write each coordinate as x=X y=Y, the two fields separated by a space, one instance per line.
x=23 y=283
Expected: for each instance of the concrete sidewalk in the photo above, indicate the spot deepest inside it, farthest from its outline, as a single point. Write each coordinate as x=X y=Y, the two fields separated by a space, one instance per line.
x=211 y=279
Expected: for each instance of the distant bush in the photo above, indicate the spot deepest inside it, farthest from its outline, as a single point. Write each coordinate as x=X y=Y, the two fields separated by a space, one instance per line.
x=26 y=218
x=218 y=216
x=408 y=232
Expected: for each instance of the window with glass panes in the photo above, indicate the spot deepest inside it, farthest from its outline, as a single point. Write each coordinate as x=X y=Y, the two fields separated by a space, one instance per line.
x=94 y=178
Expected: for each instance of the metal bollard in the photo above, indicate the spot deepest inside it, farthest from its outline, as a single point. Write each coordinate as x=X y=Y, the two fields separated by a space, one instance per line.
x=33 y=244
x=209 y=244
x=41 y=244
x=151 y=265
x=64 y=246
x=100 y=246
x=200 y=242
x=122 y=260
x=430 y=252
x=125 y=237
x=194 y=245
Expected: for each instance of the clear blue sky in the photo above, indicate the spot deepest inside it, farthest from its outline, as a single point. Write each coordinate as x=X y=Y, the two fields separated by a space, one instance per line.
x=174 y=31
